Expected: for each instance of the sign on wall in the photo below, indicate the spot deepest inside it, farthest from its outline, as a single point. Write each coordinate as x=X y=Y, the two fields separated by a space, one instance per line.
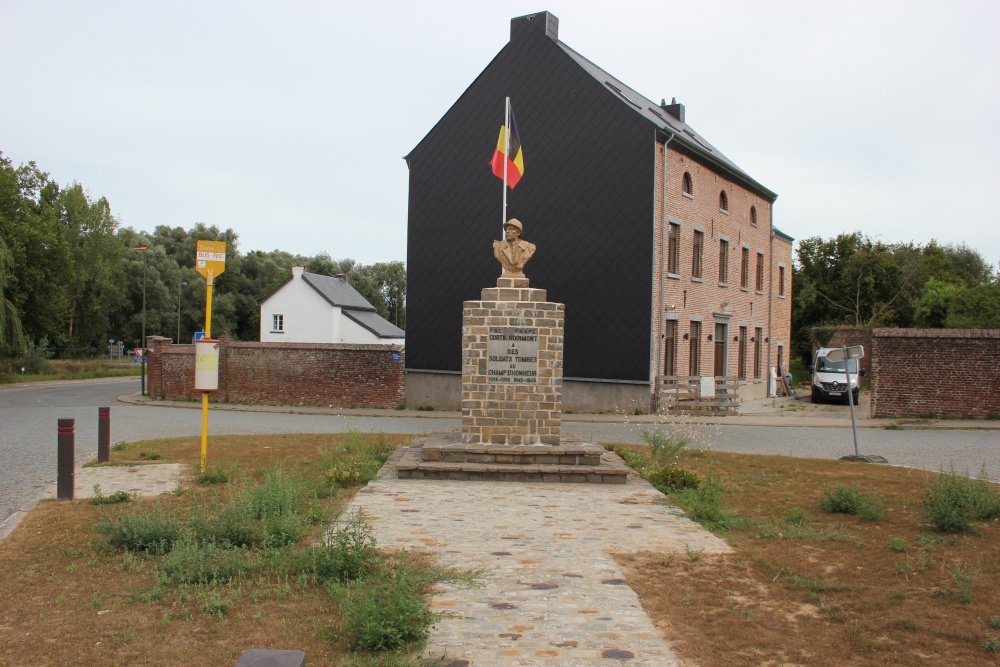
x=513 y=355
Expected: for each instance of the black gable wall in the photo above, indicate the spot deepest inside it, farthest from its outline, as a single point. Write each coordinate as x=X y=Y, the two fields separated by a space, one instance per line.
x=586 y=201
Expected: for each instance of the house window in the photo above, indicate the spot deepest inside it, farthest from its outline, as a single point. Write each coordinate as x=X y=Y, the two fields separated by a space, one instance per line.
x=699 y=242
x=670 y=349
x=753 y=216
x=741 y=371
x=723 y=261
x=277 y=322
x=723 y=202
x=758 y=335
x=781 y=280
x=745 y=269
x=694 y=361
x=673 y=249
x=688 y=184
x=760 y=272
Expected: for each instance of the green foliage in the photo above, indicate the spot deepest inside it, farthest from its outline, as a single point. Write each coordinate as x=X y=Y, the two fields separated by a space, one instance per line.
x=199 y=562
x=991 y=644
x=213 y=476
x=899 y=545
x=994 y=622
x=664 y=445
x=963 y=576
x=796 y=516
x=386 y=611
x=119 y=446
x=142 y=528
x=356 y=462
x=932 y=309
x=953 y=501
x=976 y=307
x=704 y=504
x=852 y=500
x=349 y=552
x=672 y=478
x=115 y=498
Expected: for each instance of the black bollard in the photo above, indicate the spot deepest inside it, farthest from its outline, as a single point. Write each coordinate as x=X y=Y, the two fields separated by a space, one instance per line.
x=64 y=483
x=103 y=435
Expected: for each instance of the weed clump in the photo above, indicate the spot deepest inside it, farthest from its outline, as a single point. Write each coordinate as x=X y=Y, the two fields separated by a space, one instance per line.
x=704 y=504
x=952 y=502
x=115 y=498
x=673 y=478
x=852 y=500
x=214 y=476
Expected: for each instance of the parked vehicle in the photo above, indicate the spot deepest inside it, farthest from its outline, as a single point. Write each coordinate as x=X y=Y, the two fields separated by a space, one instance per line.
x=829 y=381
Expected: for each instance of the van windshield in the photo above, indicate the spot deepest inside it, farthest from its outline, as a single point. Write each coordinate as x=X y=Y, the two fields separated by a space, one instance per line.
x=824 y=365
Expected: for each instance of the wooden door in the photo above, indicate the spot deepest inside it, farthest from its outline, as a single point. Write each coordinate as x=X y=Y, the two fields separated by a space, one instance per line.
x=720 y=350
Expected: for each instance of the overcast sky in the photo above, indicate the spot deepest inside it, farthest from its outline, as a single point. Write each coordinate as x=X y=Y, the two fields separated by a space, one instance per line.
x=287 y=121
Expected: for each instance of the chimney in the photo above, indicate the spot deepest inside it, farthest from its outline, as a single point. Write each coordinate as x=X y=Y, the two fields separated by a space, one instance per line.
x=344 y=277
x=298 y=271
x=674 y=109
x=534 y=26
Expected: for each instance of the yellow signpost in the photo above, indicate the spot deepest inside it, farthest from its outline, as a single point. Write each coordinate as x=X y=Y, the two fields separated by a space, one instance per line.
x=210 y=261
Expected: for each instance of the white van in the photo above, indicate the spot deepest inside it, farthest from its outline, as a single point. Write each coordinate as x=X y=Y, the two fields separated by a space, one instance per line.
x=829 y=382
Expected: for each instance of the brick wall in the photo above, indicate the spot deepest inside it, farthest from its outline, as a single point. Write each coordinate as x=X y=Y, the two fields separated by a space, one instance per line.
x=284 y=373
x=947 y=372
x=702 y=297
x=855 y=336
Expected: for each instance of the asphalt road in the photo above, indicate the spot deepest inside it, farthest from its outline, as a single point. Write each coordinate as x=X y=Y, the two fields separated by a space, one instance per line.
x=28 y=415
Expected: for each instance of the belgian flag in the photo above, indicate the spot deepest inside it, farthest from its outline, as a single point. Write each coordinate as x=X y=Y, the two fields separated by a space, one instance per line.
x=514 y=159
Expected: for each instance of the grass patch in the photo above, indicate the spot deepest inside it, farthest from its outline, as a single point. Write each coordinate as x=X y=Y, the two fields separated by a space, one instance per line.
x=850 y=499
x=954 y=501
x=804 y=586
x=199 y=575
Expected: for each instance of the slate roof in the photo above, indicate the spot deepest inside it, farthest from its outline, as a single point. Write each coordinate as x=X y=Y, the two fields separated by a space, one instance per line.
x=338 y=292
x=376 y=324
x=664 y=121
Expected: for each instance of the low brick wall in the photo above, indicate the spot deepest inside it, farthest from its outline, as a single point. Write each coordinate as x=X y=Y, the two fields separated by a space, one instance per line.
x=284 y=373
x=851 y=336
x=946 y=372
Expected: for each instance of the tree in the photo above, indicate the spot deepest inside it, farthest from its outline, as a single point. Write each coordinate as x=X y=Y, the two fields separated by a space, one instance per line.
x=932 y=310
x=975 y=308
x=11 y=332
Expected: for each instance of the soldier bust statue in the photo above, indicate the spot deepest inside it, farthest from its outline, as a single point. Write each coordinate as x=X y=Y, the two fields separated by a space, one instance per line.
x=514 y=252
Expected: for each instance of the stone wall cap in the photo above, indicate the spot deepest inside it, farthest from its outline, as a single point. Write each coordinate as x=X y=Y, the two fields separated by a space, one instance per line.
x=889 y=332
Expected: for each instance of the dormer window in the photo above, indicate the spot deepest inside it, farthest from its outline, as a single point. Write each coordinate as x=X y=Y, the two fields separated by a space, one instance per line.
x=688 y=184
x=723 y=202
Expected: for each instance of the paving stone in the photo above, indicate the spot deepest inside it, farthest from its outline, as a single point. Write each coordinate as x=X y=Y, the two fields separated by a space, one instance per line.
x=546 y=552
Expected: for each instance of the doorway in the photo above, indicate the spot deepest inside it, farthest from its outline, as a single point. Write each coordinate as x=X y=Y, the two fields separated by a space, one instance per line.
x=721 y=333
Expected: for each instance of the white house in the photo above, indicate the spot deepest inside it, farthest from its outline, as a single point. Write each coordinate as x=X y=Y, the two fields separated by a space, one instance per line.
x=312 y=308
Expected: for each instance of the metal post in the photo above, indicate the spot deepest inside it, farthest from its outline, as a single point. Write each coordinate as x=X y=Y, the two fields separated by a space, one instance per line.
x=142 y=362
x=103 y=435
x=66 y=462
x=850 y=400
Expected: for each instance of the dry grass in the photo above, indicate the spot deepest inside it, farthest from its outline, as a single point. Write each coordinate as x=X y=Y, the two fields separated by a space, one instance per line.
x=68 y=601
x=830 y=591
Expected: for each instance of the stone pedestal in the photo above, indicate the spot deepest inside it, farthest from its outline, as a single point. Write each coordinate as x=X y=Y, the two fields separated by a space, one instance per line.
x=512 y=357
x=512 y=370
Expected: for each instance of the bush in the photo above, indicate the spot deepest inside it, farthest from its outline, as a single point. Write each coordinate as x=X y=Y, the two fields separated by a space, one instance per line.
x=852 y=500
x=796 y=516
x=191 y=562
x=142 y=529
x=899 y=545
x=384 y=612
x=704 y=504
x=213 y=476
x=672 y=478
x=953 y=501
x=664 y=446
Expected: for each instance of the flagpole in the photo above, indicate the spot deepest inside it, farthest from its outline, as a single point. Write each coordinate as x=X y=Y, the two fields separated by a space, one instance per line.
x=506 y=154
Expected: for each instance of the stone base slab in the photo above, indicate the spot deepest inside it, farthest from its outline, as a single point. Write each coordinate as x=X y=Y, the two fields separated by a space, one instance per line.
x=442 y=455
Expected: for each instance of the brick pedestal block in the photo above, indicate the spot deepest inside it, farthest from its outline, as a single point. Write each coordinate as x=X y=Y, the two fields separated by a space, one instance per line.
x=512 y=414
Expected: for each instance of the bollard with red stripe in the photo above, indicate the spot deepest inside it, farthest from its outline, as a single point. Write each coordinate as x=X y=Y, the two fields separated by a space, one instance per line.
x=103 y=435
x=65 y=466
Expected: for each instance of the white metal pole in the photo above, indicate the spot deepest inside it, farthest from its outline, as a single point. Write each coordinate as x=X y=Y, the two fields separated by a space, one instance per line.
x=850 y=399
x=506 y=155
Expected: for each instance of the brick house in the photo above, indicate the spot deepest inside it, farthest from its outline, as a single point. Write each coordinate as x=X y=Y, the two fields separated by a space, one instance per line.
x=313 y=308
x=663 y=250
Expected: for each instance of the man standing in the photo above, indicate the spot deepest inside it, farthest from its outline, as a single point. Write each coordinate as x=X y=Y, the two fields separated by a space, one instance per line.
x=515 y=252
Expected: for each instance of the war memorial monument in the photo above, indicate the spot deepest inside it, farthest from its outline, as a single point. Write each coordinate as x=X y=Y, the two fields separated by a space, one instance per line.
x=512 y=370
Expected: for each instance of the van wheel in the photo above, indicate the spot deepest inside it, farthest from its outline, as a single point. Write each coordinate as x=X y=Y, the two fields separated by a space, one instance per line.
x=814 y=398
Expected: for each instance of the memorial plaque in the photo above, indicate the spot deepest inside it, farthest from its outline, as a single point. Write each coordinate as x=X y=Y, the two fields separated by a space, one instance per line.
x=513 y=355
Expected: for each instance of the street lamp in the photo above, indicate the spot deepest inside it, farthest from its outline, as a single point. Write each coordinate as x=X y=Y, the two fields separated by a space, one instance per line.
x=179 y=312
x=142 y=361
